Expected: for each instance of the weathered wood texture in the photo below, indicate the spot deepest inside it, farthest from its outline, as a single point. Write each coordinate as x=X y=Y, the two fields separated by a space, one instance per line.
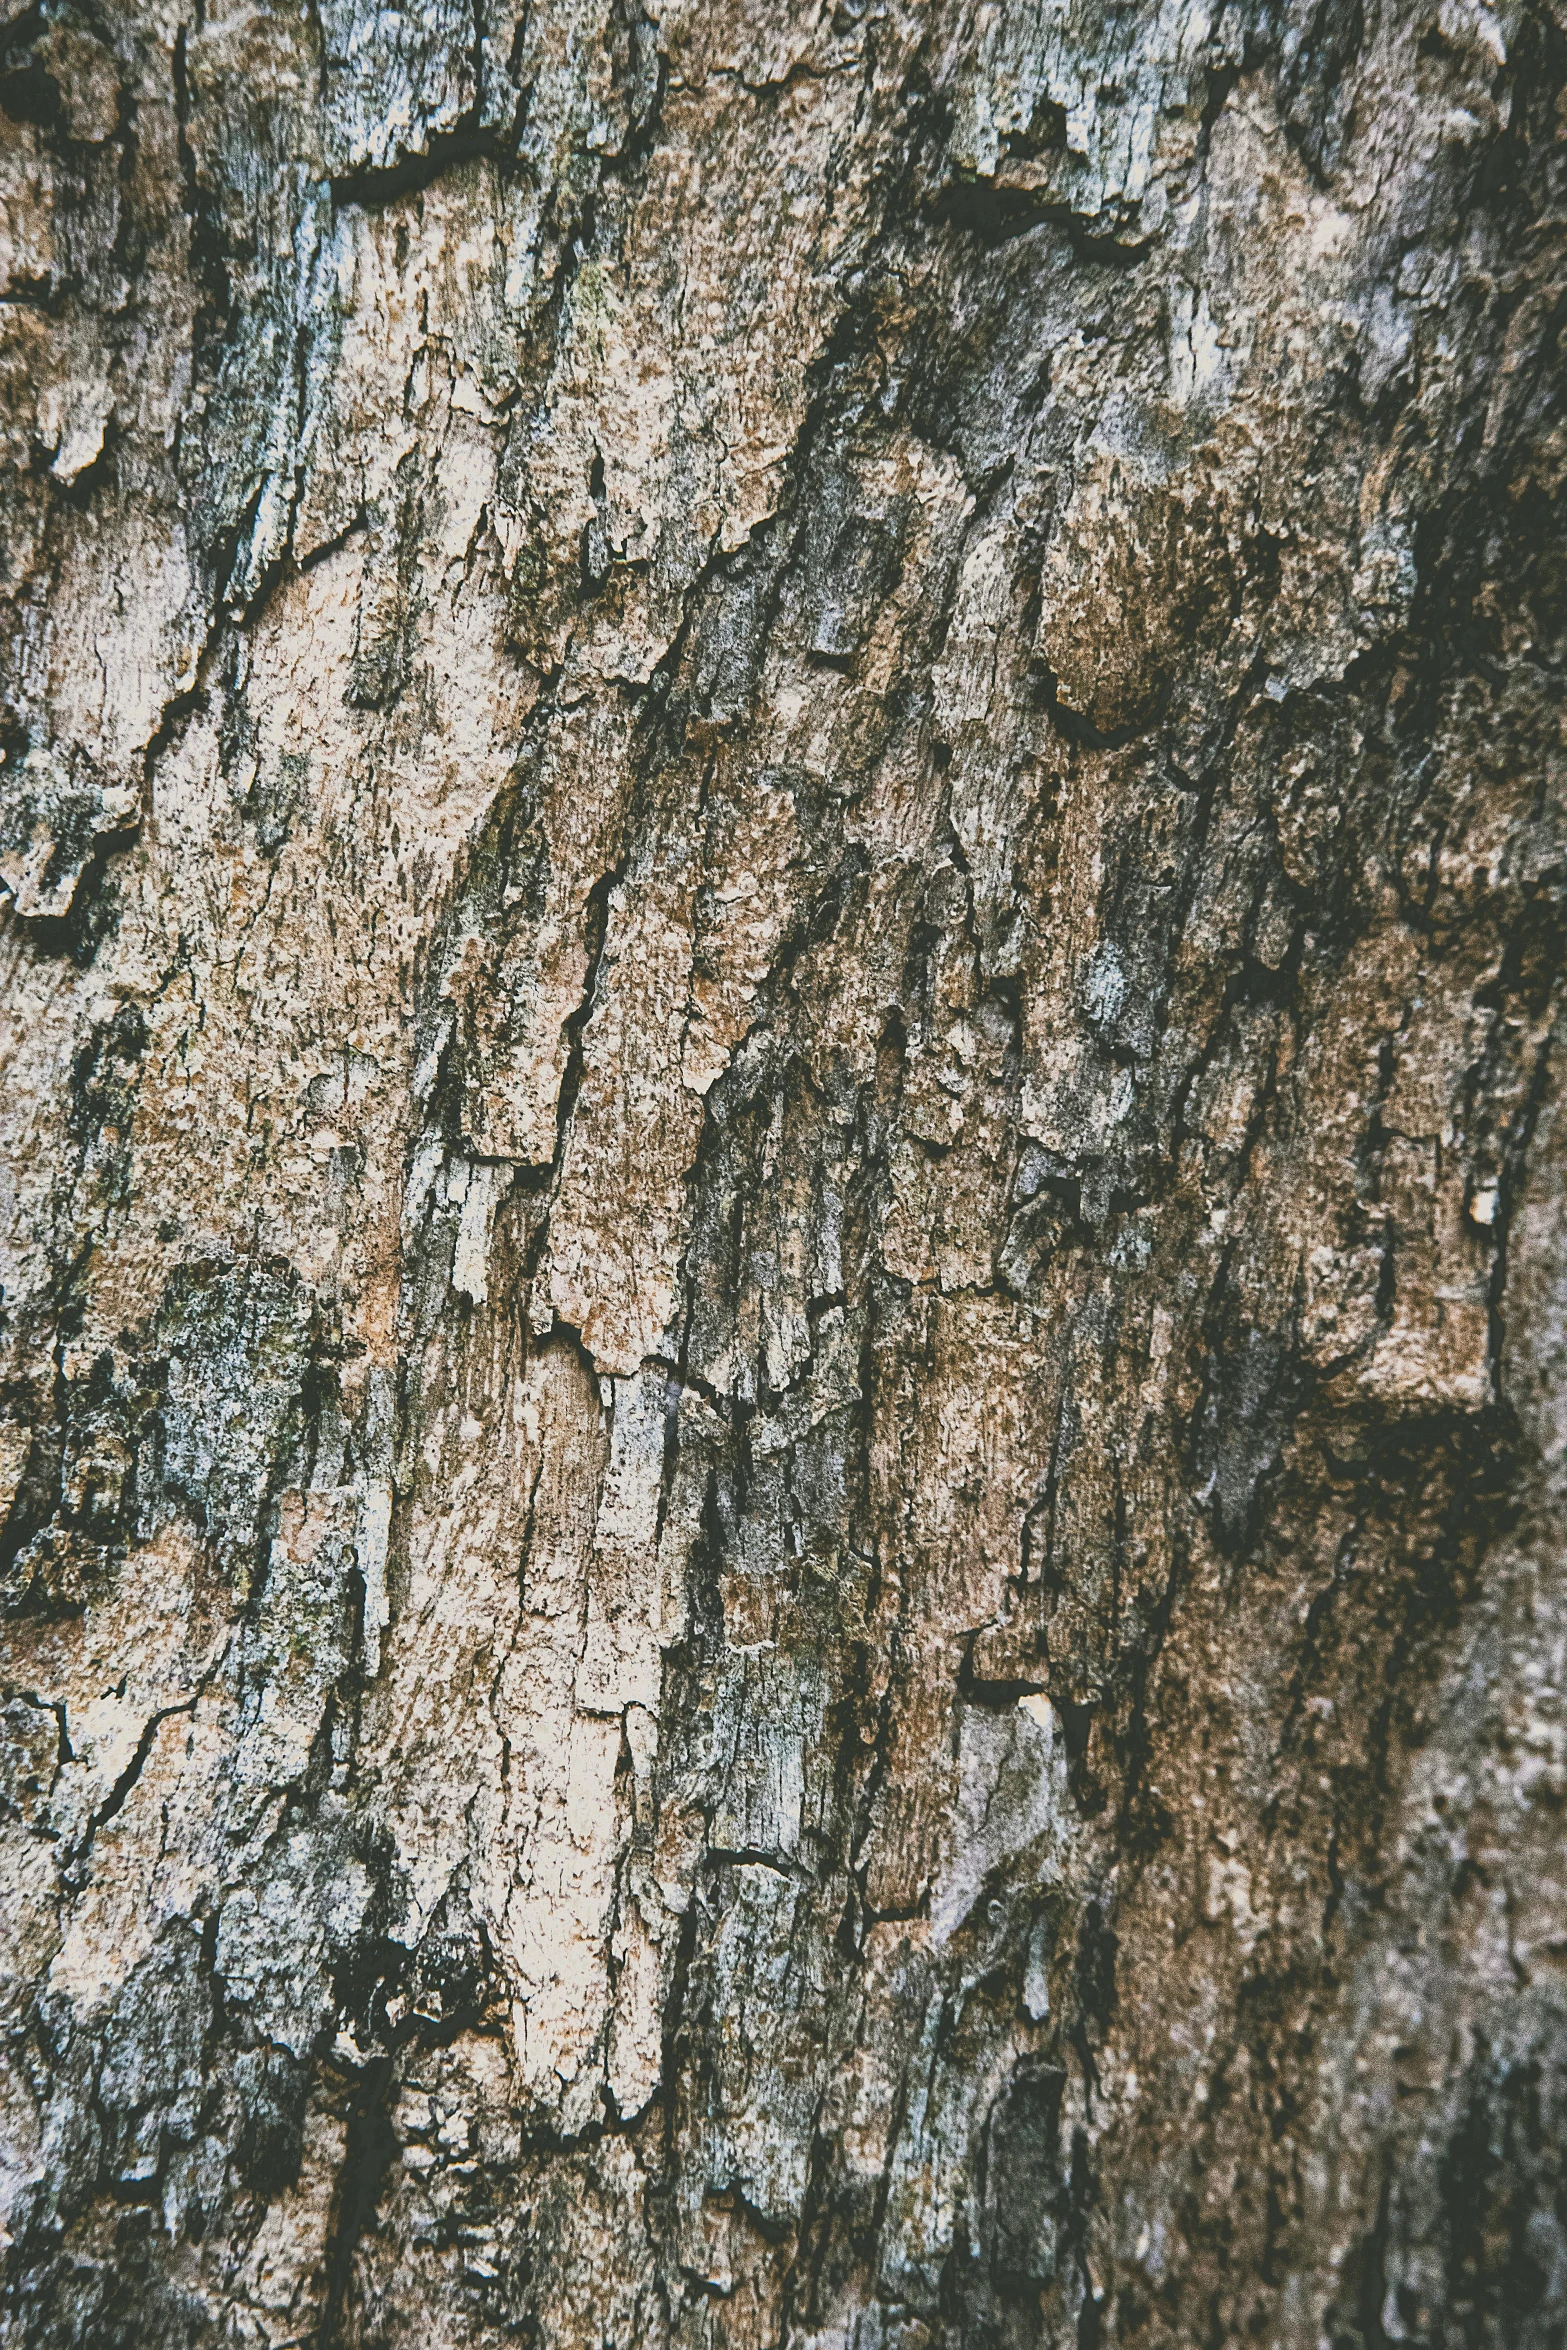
x=785 y=1286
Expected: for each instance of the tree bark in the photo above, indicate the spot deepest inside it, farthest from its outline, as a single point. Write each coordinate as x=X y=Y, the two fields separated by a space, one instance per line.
x=785 y=1286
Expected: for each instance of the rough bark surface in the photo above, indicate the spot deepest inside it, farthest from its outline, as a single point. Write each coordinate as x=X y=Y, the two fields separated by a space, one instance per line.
x=785 y=1284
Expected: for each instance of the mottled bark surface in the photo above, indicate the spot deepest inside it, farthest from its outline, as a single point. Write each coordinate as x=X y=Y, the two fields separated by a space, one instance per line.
x=785 y=1211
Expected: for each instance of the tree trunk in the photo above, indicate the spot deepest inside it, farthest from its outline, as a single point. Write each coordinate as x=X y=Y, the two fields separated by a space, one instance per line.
x=785 y=1401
